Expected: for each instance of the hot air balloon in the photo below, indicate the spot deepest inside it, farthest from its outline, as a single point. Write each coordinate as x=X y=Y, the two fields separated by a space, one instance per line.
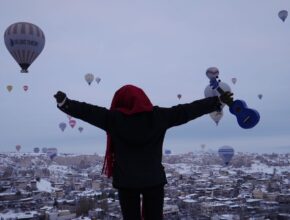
x=25 y=88
x=18 y=147
x=202 y=146
x=89 y=77
x=24 y=41
x=44 y=150
x=9 y=88
x=98 y=80
x=72 y=123
x=216 y=116
x=62 y=126
x=81 y=129
x=283 y=15
x=51 y=152
x=209 y=92
x=179 y=96
x=212 y=72
x=167 y=152
x=36 y=150
x=226 y=153
x=260 y=96
x=234 y=80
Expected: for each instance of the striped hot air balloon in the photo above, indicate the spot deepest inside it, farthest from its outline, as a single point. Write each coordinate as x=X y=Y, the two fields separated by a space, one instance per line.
x=24 y=41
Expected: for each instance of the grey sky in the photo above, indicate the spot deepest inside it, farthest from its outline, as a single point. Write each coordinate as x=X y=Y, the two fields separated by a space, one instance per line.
x=162 y=46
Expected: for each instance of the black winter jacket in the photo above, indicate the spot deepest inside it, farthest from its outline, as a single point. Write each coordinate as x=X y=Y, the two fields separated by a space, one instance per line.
x=138 y=138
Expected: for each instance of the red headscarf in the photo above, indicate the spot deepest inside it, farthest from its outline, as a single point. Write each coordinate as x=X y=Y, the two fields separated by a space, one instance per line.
x=129 y=100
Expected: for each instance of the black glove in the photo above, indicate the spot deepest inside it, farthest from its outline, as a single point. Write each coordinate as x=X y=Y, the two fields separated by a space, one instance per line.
x=227 y=98
x=60 y=96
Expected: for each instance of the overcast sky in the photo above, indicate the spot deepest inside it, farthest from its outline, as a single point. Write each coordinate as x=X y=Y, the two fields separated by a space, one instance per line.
x=162 y=46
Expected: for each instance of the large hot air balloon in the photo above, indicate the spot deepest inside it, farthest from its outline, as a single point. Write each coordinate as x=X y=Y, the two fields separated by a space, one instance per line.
x=72 y=123
x=226 y=153
x=62 y=126
x=216 y=116
x=18 y=147
x=89 y=77
x=283 y=15
x=24 y=41
x=212 y=72
x=25 y=88
x=98 y=80
x=9 y=88
x=179 y=96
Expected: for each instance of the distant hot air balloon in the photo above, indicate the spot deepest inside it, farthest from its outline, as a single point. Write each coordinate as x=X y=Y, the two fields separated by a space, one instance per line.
x=234 y=80
x=62 y=126
x=283 y=15
x=36 y=150
x=89 y=77
x=202 y=146
x=9 y=88
x=72 y=123
x=212 y=72
x=24 y=41
x=216 y=116
x=18 y=147
x=260 y=96
x=226 y=153
x=167 y=152
x=98 y=80
x=44 y=150
x=81 y=129
x=179 y=96
x=25 y=88
x=51 y=153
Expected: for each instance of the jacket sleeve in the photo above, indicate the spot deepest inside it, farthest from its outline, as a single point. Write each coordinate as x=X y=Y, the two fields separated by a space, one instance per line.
x=93 y=114
x=183 y=113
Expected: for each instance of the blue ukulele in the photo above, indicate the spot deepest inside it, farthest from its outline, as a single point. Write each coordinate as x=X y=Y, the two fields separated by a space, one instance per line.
x=246 y=117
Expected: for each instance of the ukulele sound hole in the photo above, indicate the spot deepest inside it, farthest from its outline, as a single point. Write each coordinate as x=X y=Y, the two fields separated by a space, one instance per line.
x=238 y=109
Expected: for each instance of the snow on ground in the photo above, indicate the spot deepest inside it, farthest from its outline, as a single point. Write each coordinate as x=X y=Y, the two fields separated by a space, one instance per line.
x=17 y=215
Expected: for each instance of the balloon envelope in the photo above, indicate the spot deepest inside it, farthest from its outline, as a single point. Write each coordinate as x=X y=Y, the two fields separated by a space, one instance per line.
x=36 y=150
x=260 y=96
x=167 y=152
x=234 y=80
x=9 y=88
x=81 y=129
x=179 y=96
x=72 y=123
x=212 y=72
x=62 y=126
x=98 y=80
x=226 y=153
x=89 y=77
x=18 y=147
x=25 y=88
x=283 y=14
x=216 y=116
x=24 y=41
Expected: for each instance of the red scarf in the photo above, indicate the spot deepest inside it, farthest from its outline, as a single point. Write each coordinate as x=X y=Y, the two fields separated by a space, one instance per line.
x=129 y=100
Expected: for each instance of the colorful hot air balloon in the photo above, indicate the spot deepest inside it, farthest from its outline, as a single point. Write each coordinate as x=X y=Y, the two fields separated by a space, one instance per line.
x=62 y=126
x=24 y=41
x=72 y=123
x=226 y=153
x=89 y=77
x=81 y=129
x=283 y=15
x=212 y=72
x=216 y=116
x=179 y=96
x=18 y=147
x=260 y=96
x=9 y=88
x=167 y=152
x=36 y=150
x=25 y=88
x=98 y=80
x=234 y=80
